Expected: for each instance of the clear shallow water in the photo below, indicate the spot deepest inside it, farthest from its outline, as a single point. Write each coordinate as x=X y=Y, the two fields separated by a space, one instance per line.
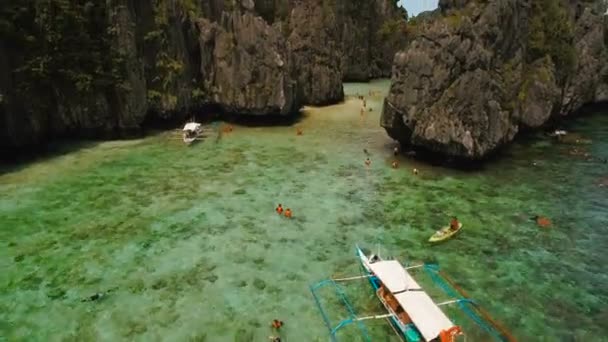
x=188 y=241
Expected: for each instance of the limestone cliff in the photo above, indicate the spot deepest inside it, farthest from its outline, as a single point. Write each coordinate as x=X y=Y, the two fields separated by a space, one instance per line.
x=484 y=70
x=245 y=66
x=82 y=68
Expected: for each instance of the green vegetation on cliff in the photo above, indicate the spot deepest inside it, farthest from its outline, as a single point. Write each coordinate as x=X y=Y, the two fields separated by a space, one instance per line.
x=168 y=67
x=390 y=28
x=551 y=33
x=64 y=45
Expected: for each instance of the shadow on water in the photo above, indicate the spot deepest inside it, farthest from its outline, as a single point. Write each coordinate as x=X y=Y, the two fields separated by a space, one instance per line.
x=16 y=159
x=13 y=159
x=265 y=120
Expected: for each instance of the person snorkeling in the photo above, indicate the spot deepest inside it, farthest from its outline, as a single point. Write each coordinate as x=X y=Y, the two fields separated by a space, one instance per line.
x=98 y=296
x=279 y=209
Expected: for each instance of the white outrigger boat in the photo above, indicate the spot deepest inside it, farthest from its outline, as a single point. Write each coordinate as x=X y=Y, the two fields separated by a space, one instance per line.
x=414 y=316
x=191 y=132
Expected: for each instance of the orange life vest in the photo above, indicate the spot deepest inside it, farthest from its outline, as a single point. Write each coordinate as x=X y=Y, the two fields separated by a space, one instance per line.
x=543 y=222
x=450 y=334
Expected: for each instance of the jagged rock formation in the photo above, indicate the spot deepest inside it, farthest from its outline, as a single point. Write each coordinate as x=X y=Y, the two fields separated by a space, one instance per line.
x=370 y=44
x=311 y=35
x=102 y=68
x=245 y=66
x=476 y=76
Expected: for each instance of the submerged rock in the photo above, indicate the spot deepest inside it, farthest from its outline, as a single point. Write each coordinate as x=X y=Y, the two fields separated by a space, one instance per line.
x=479 y=73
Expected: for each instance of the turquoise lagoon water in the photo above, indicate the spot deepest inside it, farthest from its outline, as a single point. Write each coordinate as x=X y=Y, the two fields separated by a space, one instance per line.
x=188 y=244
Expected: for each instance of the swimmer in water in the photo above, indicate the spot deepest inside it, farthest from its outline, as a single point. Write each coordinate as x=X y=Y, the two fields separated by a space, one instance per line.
x=299 y=131
x=395 y=151
x=279 y=209
x=395 y=164
x=368 y=162
x=288 y=213
x=277 y=324
x=415 y=171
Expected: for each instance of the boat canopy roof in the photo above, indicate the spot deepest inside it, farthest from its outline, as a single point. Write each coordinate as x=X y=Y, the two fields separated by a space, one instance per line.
x=394 y=277
x=192 y=126
x=424 y=313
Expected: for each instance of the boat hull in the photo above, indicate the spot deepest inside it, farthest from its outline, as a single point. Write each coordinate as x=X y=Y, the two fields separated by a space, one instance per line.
x=446 y=235
x=375 y=283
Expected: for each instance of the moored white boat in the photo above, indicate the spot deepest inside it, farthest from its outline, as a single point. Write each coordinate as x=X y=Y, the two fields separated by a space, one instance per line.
x=191 y=132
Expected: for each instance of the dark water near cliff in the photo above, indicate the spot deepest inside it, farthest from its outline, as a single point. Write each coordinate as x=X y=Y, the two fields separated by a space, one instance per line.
x=188 y=241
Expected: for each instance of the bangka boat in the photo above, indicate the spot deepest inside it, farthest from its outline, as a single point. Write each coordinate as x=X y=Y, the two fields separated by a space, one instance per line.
x=414 y=316
x=444 y=233
x=558 y=133
x=191 y=132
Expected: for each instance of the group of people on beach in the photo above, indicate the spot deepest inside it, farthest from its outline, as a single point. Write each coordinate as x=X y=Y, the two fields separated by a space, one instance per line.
x=363 y=106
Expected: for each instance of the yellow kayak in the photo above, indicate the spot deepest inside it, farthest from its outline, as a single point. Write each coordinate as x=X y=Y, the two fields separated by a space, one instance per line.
x=444 y=233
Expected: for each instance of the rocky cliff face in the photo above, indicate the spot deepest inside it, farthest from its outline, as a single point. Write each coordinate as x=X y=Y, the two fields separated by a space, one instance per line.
x=371 y=33
x=104 y=68
x=246 y=66
x=482 y=71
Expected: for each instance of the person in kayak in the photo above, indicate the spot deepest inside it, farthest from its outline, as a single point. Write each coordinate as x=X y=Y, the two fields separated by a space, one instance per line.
x=279 y=209
x=454 y=224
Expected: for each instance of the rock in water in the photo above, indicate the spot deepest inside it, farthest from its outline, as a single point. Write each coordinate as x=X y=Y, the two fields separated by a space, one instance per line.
x=477 y=74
